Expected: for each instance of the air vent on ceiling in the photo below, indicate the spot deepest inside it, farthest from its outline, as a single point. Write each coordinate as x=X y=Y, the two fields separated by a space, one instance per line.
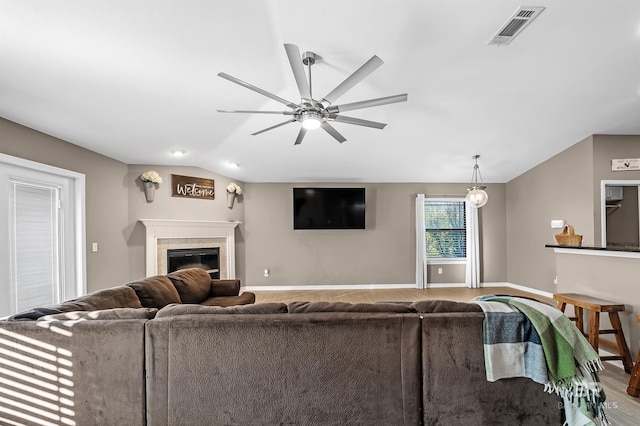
x=515 y=24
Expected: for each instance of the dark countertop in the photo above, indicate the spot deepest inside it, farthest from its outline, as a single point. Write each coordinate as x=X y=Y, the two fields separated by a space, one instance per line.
x=612 y=249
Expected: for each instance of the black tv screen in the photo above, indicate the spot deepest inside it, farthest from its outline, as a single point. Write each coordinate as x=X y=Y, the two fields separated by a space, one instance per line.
x=328 y=208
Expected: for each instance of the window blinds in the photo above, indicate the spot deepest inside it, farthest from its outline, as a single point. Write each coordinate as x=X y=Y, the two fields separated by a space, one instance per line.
x=445 y=229
x=35 y=245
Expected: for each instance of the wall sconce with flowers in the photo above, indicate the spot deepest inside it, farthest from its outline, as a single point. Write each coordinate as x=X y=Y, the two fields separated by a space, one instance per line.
x=233 y=190
x=150 y=179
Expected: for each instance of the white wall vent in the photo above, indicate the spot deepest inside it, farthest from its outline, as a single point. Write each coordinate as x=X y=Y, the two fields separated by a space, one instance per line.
x=515 y=24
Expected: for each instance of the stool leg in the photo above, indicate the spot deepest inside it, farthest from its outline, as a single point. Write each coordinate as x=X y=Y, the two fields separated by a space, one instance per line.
x=594 y=329
x=562 y=306
x=634 y=381
x=622 y=343
x=580 y=320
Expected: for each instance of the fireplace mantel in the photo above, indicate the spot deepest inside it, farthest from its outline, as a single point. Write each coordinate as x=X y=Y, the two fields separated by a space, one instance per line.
x=163 y=228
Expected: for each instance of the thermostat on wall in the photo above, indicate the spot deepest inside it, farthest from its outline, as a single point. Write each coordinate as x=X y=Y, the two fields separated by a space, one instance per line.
x=557 y=223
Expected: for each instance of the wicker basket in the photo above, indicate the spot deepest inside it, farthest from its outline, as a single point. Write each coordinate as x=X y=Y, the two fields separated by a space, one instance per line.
x=568 y=237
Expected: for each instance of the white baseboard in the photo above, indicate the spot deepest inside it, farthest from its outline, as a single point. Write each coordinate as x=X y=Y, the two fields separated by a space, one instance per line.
x=494 y=284
x=327 y=287
x=522 y=288
x=388 y=286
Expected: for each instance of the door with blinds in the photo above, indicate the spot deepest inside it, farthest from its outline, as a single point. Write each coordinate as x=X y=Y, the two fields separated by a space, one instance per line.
x=38 y=225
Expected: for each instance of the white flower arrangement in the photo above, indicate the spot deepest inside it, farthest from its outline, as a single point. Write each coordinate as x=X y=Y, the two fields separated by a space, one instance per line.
x=151 y=176
x=232 y=188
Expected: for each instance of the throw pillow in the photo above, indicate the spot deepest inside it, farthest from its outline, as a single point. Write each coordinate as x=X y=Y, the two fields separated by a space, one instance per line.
x=192 y=284
x=155 y=292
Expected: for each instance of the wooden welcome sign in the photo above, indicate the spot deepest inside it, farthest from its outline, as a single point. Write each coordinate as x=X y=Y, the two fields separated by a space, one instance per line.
x=192 y=187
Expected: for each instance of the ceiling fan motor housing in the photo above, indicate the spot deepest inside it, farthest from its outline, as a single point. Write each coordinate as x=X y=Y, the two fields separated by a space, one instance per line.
x=308 y=58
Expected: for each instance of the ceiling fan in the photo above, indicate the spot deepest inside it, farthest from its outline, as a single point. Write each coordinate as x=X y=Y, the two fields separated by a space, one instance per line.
x=312 y=113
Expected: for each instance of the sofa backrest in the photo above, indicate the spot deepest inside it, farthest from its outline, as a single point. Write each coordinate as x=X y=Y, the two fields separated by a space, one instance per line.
x=281 y=368
x=116 y=297
x=455 y=388
x=79 y=372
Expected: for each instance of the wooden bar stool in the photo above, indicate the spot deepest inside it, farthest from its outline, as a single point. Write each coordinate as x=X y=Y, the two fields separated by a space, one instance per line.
x=595 y=307
x=634 y=381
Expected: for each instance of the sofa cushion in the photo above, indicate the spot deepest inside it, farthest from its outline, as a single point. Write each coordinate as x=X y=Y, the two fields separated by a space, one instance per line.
x=438 y=306
x=224 y=288
x=155 y=292
x=192 y=284
x=246 y=298
x=116 y=297
x=260 y=308
x=308 y=307
x=105 y=314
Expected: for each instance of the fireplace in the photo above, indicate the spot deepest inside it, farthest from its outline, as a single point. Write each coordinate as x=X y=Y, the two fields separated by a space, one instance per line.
x=205 y=258
x=163 y=235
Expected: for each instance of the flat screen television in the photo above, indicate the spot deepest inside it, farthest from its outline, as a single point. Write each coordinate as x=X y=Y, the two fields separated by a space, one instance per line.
x=328 y=208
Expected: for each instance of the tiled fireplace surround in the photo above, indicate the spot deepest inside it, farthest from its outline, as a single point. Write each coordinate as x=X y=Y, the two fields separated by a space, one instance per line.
x=162 y=235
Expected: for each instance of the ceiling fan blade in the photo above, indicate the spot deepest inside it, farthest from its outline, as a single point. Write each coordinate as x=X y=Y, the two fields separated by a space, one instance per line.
x=357 y=121
x=367 y=104
x=272 y=127
x=358 y=75
x=301 y=134
x=293 y=53
x=257 y=89
x=244 y=111
x=333 y=132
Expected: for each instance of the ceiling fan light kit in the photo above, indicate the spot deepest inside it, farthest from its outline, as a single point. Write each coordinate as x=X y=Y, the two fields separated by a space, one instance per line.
x=313 y=114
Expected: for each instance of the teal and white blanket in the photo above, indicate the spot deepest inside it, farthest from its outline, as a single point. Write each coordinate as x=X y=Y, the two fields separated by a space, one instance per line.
x=526 y=338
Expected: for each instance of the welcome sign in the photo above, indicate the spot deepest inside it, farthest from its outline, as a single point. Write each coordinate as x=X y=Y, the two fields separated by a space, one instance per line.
x=192 y=187
x=618 y=165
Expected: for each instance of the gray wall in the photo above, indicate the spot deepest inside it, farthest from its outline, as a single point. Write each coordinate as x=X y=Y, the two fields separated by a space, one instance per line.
x=115 y=202
x=384 y=253
x=106 y=197
x=559 y=188
x=605 y=149
x=165 y=206
x=567 y=187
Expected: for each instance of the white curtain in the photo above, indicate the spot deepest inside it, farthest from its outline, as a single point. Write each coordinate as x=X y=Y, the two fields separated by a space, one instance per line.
x=473 y=252
x=421 y=244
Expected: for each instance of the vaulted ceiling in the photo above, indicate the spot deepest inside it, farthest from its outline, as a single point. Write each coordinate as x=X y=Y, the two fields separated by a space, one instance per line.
x=136 y=79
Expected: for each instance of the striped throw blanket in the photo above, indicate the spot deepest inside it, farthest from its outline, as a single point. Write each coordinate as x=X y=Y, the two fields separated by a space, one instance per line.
x=526 y=338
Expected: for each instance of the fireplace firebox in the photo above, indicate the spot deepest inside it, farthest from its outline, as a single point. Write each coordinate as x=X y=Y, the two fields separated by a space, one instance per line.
x=205 y=258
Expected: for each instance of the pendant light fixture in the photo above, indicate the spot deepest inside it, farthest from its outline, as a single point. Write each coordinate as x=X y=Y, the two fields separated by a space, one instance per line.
x=477 y=196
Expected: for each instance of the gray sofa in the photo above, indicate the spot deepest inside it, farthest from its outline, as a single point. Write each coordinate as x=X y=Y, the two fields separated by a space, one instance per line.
x=331 y=364
x=83 y=361
x=272 y=364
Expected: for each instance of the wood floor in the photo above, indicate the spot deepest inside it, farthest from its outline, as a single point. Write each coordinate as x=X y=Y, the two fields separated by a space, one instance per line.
x=621 y=408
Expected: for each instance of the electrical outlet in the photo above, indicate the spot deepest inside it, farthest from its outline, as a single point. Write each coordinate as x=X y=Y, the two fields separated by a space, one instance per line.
x=439 y=271
x=94 y=247
x=266 y=273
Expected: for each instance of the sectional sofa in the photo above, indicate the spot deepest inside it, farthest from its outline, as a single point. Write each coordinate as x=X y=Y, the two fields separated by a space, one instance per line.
x=261 y=364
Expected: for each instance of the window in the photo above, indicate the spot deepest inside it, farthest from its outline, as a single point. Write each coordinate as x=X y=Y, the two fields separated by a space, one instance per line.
x=445 y=229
